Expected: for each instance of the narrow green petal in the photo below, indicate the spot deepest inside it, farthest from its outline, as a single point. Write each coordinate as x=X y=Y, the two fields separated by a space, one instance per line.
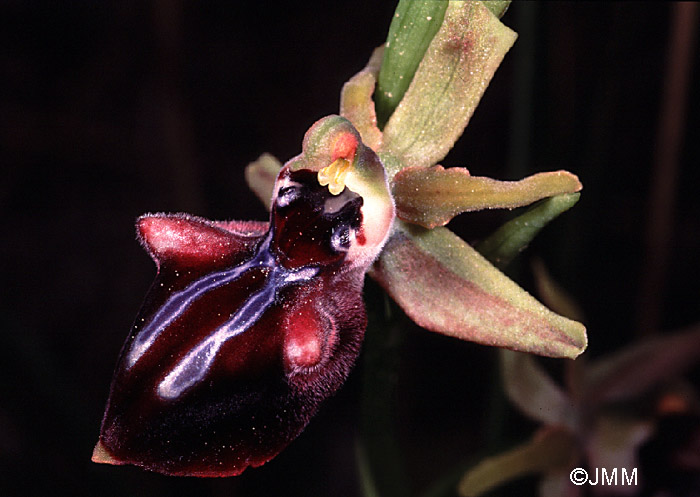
x=414 y=25
x=356 y=104
x=512 y=237
x=444 y=285
x=641 y=367
x=448 y=84
x=530 y=388
x=549 y=450
x=433 y=196
x=261 y=175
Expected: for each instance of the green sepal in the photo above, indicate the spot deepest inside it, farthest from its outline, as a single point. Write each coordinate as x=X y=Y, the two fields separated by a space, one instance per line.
x=446 y=286
x=447 y=87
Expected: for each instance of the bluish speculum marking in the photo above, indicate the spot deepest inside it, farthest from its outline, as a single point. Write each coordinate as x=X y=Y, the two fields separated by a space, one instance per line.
x=193 y=367
x=180 y=301
x=309 y=230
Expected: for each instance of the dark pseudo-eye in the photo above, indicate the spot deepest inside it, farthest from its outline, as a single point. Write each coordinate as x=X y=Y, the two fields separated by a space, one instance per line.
x=340 y=239
x=288 y=194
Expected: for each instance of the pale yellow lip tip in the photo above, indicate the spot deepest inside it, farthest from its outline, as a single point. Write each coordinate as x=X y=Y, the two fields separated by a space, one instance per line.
x=100 y=455
x=334 y=175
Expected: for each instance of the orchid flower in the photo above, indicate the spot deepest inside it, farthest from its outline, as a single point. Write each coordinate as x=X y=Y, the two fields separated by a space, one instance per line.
x=250 y=326
x=596 y=421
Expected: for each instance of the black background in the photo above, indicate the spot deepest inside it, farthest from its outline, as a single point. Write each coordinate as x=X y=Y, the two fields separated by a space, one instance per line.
x=112 y=109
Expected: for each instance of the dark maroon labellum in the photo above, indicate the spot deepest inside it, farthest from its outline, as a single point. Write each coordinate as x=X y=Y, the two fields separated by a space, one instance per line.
x=246 y=330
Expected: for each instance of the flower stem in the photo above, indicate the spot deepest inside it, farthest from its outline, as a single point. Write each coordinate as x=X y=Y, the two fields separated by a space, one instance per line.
x=380 y=460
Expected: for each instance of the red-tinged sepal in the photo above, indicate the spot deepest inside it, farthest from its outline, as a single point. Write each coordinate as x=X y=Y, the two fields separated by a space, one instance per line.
x=444 y=285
